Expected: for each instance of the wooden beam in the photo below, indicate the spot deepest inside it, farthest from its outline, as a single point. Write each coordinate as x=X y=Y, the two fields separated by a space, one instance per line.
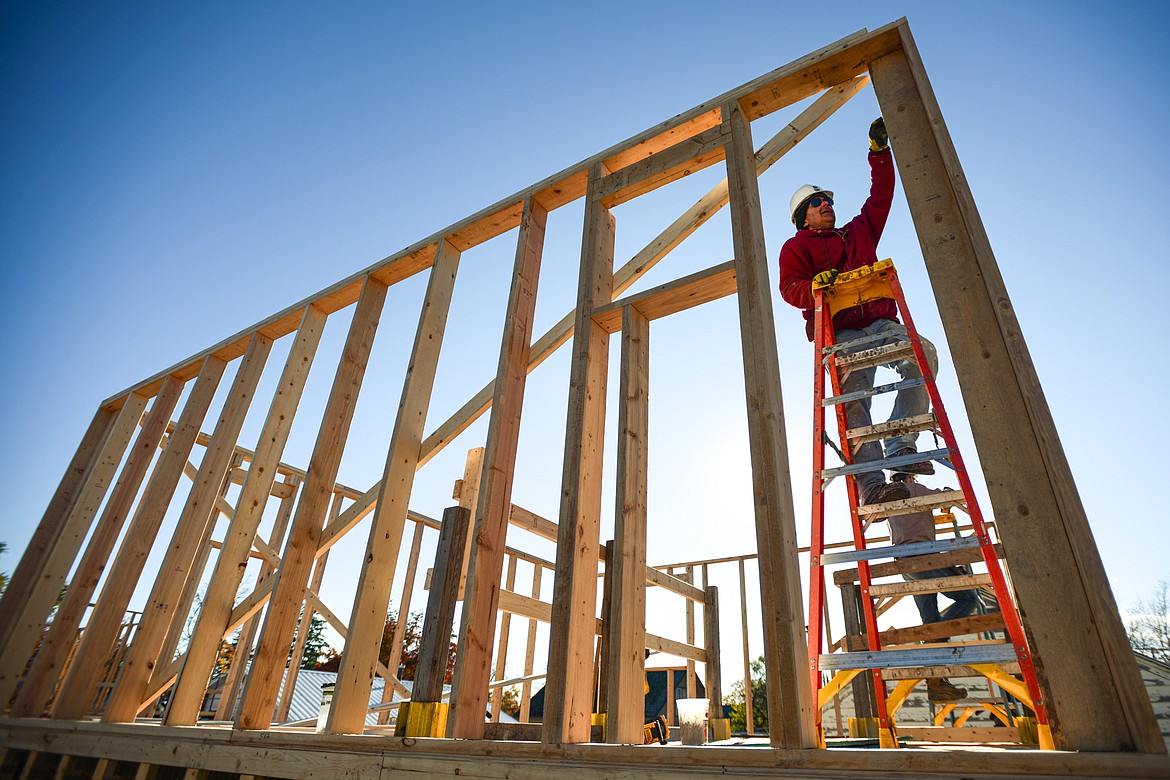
x=689 y=625
x=674 y=585
x=187 y=539
x=38 y=555
x=396 y=638
x=30 y=615
x=645 y=259
x=547 y=529
x=368 y=617
x=187 y=600
x=626 y=664
x=1072 y=616
x=669 y=135
x=434 y=646
x=214 y=616
x=54 y=650
x=530 y=521
x=749 y=718
x=854 y=627
x=105 y=622
x=478 y=619
x=293 y=753
x=569 y=690
x=497 y=692
x=530 y=651
x=252 y=626
x=601 y=647
x=693 y=290
x=939 y=632
x=309 y=609
x=713 y=669
x=288 y=591
x=790 y=701
x=468 y=490
x=536 y=609
x=829 y=67
x=682 y=159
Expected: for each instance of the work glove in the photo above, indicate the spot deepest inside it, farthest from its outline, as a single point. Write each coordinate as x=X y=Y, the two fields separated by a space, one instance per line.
x=824 y=278
x=879 y=139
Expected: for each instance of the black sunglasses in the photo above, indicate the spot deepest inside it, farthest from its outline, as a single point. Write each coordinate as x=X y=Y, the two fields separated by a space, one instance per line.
x=817 y=200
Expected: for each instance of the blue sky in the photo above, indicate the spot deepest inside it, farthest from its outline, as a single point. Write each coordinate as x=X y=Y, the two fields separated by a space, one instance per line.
x=173 y=173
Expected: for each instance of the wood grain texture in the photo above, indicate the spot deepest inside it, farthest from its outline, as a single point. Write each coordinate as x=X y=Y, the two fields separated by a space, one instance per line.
x=627 y=569
x=485 y=567
x=434 y=646
x=37 y=556
x=106 y=620
x=29 y=617
x=569 y=692
x=54 y=651
x=214 y=617
x=187 y=539
x=368 y=616
x=1084 y=663
x=790 y=704
x=288 y=592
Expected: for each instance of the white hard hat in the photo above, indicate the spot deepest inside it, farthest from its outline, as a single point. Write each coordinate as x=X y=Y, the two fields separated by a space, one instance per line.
x=805 y=192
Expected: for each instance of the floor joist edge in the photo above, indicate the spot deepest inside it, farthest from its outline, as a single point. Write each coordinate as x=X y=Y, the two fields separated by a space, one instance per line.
x=126 y=742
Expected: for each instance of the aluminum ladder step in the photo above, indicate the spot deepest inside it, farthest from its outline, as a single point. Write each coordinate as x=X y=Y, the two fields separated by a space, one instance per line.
x=891 y=464
x=857 y=395
x=901 y=550
x=957 y=655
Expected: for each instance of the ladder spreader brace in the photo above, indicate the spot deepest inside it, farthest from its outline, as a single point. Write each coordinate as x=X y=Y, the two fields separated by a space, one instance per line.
x=851 y=289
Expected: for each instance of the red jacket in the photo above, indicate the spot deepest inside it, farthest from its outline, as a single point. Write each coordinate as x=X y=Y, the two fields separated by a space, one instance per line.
x=811 y=251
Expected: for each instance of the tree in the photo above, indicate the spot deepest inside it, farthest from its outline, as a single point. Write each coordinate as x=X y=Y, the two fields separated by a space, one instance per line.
x=316 y=647
x=510 y=701
x=1149 y=630
x=411 y=639
x=735 y=697
x=227 y=654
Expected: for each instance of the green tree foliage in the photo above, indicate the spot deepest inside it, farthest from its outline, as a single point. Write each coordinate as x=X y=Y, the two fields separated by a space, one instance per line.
x=735 y=697
x=316 y=647
x=1149 y=629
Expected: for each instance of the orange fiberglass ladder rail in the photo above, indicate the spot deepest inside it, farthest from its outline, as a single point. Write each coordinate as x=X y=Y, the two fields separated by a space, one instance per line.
x=852 y=289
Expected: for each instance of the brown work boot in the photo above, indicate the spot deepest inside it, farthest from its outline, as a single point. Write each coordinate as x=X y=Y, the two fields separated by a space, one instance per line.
x=922 y=467
x=894 y=491
x=940 y=691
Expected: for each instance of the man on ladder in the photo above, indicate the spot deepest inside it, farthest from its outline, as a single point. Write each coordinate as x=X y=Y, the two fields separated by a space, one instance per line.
x=851 y=303
x=818 y=252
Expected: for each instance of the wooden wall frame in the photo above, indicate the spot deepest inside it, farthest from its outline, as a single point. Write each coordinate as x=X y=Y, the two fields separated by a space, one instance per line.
x=1091 y=682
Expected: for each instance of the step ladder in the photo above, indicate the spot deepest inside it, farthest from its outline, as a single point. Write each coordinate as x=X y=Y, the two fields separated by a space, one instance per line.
x=1004 y=660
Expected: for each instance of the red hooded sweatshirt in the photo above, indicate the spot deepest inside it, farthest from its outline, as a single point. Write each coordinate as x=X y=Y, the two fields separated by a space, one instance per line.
x=811 y=251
